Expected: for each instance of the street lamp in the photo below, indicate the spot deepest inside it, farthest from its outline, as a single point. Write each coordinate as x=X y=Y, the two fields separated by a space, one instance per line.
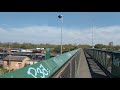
x=92 y=32
x=92 y=38
x=60 y=16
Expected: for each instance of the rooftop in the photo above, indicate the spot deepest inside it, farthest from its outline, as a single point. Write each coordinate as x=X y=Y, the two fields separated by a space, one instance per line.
x=19 y=58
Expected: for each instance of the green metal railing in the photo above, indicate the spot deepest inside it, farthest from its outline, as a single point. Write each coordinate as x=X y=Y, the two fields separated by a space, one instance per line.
x=49 y=68
x=110 y=60
x=70 y=68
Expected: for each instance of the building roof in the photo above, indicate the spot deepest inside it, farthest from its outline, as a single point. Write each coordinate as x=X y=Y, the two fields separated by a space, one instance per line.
x=16 y=58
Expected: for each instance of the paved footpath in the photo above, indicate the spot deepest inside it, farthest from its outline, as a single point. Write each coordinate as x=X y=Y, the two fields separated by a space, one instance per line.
x=83 y=69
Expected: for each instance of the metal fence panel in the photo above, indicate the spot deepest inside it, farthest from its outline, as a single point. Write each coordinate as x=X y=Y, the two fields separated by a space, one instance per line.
x=110 y=60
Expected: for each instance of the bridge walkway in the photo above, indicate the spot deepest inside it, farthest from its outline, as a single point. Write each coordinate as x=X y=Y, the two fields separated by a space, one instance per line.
x=95 y=69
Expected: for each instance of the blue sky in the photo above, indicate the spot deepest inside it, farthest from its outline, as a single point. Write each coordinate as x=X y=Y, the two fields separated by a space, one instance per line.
x=71 y=19
x=44 y=27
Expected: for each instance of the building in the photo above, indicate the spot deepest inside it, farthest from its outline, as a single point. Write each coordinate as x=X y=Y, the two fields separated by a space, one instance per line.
x=25 y=50
x=31 y=62
x=13 y=50
x=14 y=62
x=39 y=48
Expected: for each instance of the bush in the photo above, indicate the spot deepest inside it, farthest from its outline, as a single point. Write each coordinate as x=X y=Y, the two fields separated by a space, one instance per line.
x=3 y=71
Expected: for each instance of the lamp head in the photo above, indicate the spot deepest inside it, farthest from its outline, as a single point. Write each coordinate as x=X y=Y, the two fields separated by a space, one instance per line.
x=60 y=16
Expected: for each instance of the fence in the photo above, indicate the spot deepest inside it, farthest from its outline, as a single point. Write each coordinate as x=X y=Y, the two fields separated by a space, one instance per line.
x=69 y=70
x=110 y=60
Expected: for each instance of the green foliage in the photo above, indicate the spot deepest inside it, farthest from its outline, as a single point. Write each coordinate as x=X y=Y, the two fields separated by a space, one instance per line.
x=57 y=49
x=100 y=46
x=3 y=71
x=84 y=46
x=54 y=48
x=117 y=47
x=108 y=47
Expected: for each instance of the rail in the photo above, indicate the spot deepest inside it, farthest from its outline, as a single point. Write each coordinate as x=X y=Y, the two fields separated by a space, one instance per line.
x=109 y=60
x=62 y=66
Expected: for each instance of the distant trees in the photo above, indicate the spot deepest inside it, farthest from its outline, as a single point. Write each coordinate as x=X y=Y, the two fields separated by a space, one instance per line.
x=56 y=48
x=100 y=46
x=110 y=46
x=66 y=48
x=84 y=46
x=117 y=47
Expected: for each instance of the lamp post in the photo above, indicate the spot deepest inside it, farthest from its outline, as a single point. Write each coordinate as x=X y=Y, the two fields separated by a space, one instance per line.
x=92 y=38
x=93 y=34
x=60 y=16
x=9 y=52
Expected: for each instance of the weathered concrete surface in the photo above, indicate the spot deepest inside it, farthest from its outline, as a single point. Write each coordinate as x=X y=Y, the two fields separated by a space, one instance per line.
x=83 y=69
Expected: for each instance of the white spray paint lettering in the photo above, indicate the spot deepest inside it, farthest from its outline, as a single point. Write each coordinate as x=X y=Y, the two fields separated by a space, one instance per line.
x=116 y=62
x=39 y=70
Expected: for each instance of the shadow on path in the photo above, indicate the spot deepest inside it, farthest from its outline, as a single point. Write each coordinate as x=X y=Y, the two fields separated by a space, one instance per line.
x=95 y=70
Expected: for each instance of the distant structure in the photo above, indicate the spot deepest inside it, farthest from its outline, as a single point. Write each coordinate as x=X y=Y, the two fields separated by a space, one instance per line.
x=14 y=62
x=110 y=44
x=47 y=53
x=25 y=50
x=39 y=48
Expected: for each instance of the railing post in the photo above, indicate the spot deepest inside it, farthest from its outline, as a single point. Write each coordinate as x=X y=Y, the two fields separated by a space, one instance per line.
x=100 y=57
x=105 y=59
x=97 y=55
x=111 y=62
x=93 y=53
x=102 y=62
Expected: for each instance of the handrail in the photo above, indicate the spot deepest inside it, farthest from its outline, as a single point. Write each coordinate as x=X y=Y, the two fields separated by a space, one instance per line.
x=43 y=69
x=110 y=60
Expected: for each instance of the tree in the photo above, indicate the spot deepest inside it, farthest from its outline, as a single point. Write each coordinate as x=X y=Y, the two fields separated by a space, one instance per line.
x=84 y=46
x=57 y=49
x=110 y=45
x=117 y=47
x=100 y=46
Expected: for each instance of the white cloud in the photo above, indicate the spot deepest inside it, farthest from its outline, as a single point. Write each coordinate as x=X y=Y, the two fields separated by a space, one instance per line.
x=49 y=34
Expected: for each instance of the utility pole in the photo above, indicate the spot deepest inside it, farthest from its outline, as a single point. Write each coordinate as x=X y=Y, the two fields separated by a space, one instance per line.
x=9 y=56
x=92 y=38
x=93 y=34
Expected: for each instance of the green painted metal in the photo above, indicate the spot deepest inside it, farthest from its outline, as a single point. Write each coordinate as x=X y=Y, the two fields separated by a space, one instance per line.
x=47 y=54
x=108 y=59
x=116 y=65
x=43 y=69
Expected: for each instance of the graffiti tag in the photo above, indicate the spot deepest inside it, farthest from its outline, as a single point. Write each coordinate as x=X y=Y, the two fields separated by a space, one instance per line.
x=41 y=70
x=116 y=62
